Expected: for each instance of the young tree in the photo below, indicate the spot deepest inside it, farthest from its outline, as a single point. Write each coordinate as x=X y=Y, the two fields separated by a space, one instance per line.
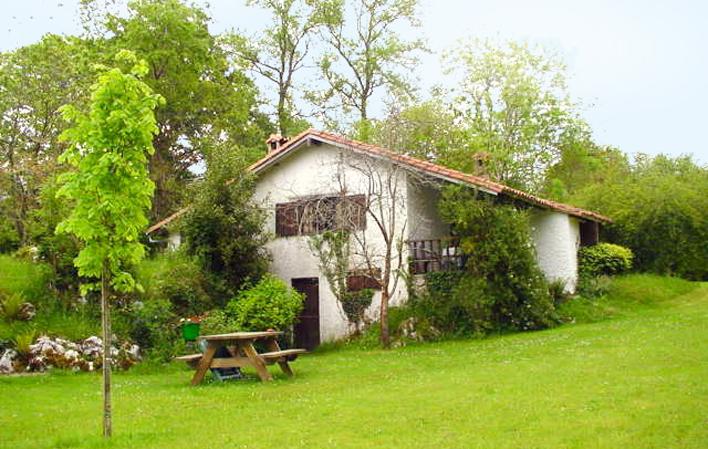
x=366 y=54
x=280 y=53
x=512 y=105
x=366 y=236
x=110 y=187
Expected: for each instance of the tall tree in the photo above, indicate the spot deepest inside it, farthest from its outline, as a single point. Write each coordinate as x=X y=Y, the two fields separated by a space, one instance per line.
x=280 y=53
x=365 y=54
x=110 y=187
x=207 y=95
x=35 y=81
x=512 y=105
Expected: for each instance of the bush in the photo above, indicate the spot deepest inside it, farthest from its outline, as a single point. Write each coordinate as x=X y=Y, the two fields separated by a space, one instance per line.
x=222 y=227
x=216 y=322
x=604 y=259
x=270 y=304
x=178 y=279
x=503 y=286
x=154 y=326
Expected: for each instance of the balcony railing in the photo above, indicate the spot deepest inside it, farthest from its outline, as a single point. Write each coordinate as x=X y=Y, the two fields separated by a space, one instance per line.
x=426 y=256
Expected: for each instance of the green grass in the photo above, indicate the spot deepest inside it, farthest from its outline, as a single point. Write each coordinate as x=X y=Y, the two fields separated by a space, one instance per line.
x=634 y=381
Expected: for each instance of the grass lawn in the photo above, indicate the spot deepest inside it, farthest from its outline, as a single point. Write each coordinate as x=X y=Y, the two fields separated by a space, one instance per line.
x=637 y=380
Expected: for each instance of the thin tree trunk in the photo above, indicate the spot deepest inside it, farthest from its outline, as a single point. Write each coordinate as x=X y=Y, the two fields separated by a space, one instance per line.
x=106 y=324
x=383 y=318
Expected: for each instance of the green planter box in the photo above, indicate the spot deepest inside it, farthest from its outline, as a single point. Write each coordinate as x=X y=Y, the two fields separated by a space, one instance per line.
x=190 y=331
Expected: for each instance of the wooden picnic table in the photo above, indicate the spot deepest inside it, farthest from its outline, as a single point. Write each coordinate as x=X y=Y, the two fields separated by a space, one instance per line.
x=243 y=353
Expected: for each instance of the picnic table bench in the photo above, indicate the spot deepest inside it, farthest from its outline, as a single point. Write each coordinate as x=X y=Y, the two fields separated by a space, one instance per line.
x=243 y=353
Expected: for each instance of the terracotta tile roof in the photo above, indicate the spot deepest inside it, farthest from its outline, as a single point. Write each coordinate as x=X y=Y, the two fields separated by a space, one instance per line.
x=166 y=221
x=425 y=167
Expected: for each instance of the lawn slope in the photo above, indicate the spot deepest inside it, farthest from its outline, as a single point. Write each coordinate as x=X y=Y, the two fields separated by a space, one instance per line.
x=634 y=381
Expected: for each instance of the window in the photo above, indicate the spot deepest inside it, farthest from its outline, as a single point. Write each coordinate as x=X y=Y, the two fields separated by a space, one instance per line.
x=312 y=216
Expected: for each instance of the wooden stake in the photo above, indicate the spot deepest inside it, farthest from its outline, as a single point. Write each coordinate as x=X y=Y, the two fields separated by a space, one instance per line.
x=106 y=325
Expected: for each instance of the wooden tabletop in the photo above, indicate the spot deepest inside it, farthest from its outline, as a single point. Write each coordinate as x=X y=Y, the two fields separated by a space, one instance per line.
x=241 y=336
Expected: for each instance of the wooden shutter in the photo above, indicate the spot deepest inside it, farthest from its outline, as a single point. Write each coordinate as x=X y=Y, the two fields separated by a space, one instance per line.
x=286 y=222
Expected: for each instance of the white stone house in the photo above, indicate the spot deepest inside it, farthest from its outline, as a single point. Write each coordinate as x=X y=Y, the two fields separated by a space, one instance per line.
x=316 y=166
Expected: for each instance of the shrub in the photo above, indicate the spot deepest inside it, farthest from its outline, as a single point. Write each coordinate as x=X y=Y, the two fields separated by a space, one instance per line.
x=604 y=259
x=216 y=322
x=222 y=227
x=506 y=288
x=270 y=304
x=178 y=279
x=355 y=304
x=154 y=326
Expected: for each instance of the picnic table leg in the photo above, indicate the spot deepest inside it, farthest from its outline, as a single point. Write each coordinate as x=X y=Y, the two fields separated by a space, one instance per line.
x=273 y=345
x=204 y=363
x=256 y=360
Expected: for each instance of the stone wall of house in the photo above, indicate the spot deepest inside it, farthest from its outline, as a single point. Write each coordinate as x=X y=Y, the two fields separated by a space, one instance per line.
x=557 y=238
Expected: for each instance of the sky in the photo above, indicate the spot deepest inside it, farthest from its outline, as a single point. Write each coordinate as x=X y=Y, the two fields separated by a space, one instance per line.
x=638 y=68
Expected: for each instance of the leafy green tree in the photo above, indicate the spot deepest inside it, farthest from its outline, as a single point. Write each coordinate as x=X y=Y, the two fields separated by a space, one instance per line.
x=35 y=81
x=207 y=95
x=222 y=227
x=659 y=210
x=280 y=53
x=110 y=187
x=513 y=106
x=582 y=164
x=366 y=54
x=424 y=130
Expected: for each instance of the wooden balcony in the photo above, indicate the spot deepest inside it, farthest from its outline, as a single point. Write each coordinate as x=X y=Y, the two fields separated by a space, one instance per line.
x=426 y=256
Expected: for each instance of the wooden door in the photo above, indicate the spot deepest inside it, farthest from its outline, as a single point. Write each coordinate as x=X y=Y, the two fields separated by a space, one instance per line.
x=307 y=329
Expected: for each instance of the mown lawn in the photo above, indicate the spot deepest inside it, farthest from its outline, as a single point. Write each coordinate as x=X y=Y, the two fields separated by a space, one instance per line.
x=637 y=380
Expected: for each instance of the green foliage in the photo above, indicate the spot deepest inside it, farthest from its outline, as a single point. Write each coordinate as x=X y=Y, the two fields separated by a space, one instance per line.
x=593 y=286
x=504 y=285
x=11 y=305
x=58 y=250
x=23 y=341
x=30 y=279
x=557 y=291
x=512 y=104
x=207 y=94
x=279 y=53
x=269 y=304
x=217 y=322
x=35 y=81
x=604 y=258
x=355 y=304
x=222 y=227
x=110 y=186
x=154 y=326
x=455 y=304
x=177 y=278
x=659 y=211
x=348 y=68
